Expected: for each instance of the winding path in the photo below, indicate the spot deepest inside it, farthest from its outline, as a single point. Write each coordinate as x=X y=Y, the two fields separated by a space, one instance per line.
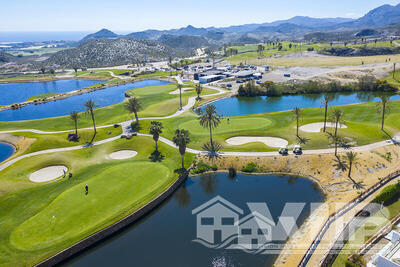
x=191 y=102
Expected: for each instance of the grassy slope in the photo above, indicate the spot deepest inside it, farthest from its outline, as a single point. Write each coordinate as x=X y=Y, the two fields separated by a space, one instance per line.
x=113 y=193
x=156 y=101
x=362 y=119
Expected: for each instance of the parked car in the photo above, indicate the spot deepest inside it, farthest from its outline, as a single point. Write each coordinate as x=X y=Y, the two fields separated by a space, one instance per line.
x=287 y=75
x=259 y=82
x=239 y=81
x=297 y=150
x=284 y=151
x=229 y=85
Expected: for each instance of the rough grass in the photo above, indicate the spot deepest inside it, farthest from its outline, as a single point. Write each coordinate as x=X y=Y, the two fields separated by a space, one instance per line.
x=29 y=232
x=43 y=96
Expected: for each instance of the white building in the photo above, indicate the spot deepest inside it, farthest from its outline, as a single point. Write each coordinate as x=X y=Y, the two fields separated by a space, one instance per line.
x=389 y=255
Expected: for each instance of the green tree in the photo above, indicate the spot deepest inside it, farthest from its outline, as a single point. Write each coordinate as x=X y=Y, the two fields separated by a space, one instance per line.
x=90 y=105
x=52 y=71
x=336 y=117
x=181 y=140
x=352 y=159
x=76 y=70
x=43 y=70
x=209 y=118
x=199 y=89
x=297 y=113
x=180 y=94
x=133 y=105
x=74 y=116
x=325 y=102
x=384 y=107
x=155 y=130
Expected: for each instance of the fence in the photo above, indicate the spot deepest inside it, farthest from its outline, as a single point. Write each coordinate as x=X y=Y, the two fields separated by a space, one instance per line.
x=327 y=260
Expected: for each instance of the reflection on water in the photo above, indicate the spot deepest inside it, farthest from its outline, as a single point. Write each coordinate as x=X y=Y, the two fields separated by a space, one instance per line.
x=102 y=98
x=19 y=92
x=236 y=106
x=156 y=239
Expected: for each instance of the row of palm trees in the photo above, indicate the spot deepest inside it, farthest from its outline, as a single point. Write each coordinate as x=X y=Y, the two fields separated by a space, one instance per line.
x=75 y=116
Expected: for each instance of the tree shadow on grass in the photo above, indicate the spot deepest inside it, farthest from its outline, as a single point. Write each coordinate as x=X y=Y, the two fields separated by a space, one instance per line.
x=156 y=156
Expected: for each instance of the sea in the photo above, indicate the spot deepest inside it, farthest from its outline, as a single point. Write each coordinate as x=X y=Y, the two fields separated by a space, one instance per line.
x=41 y=36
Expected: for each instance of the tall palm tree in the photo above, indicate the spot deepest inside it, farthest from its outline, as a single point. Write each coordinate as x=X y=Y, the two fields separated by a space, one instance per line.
x=133 y=105
x=90 y=105
x=383 y=107
x=297 y=115
x=209 y=118
x=155 y=130
x=325 y=102
x=181 y=139
x=180 y=94
x=199 y=89
x=336 y=118
x=351 y=158
x=74 y=116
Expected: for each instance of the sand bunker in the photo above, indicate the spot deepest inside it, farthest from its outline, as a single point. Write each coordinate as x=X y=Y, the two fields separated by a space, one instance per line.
x=268 y=141
x=316 y=127
x=123 y=154
x=176 y=92
x=48 y=174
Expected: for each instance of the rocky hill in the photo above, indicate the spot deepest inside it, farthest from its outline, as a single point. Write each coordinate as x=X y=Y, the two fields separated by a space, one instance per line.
x=109 y=52
x=103 y=33
x=185 y=43
x=5 y=57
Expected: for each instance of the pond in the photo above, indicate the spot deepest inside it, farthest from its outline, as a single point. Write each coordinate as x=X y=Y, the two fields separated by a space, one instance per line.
x=164 y=237
x=105 y=97
x=20 y=92
x=237 y=106
x=6 y=151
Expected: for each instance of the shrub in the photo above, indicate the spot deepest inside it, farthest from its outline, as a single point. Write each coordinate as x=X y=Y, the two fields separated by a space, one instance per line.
x=356 y=260
x=201 y=167
x=214 y=167
x=388 y=193
x=251 y=167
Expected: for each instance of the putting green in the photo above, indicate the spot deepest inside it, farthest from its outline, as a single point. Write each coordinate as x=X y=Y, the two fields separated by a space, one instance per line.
x=72 y=213
x=226 y=127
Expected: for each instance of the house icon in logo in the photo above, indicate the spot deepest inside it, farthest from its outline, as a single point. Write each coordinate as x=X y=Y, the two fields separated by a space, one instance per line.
x=255 y=230
x=216 y=220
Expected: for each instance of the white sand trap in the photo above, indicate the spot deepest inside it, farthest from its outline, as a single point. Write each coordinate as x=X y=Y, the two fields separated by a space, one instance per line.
x=268 y=141
x=176 y=92
x=318 y=126
x=48 y=174
x=123 y=154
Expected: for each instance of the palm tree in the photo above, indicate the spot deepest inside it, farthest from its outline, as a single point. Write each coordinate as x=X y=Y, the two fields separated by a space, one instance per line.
x=155 y=130
x=336 y=118
x=74 y=116
x=325 y=102
x=181 y=139
x=209 y=118
x=90 y=105
x=383 y=107
x=180 y=94
x=297 y=115
x=133 y=106
x=199 y=89
x=212 y=148
x=351 y=158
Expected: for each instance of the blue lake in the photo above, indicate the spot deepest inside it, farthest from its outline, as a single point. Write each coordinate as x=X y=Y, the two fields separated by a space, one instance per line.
x=6 y=151
x=19 y=92
x=102 y=98
x=164 y=237
x=236 y=106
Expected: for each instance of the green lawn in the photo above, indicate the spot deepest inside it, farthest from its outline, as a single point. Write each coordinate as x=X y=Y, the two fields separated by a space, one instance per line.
x=43 y=96
x=156 y=101
x=38 y=220
x=362 y=120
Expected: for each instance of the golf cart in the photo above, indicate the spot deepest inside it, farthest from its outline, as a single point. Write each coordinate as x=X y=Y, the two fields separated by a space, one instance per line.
x=297 y=150
x=284 y=151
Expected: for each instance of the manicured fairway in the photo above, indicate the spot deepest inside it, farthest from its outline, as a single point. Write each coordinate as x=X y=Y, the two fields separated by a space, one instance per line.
x=156 y=101
x=29 y=232
x=363 y=123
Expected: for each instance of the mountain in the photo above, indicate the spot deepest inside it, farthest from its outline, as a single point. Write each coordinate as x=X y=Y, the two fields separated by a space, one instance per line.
x=5 y=57
x=382 y=16
x=109 y=52
x=311 y=22
x=185 y=43
x=103 y=33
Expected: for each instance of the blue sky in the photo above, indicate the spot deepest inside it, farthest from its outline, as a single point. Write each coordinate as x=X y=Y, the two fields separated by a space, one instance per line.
x=134 y=15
